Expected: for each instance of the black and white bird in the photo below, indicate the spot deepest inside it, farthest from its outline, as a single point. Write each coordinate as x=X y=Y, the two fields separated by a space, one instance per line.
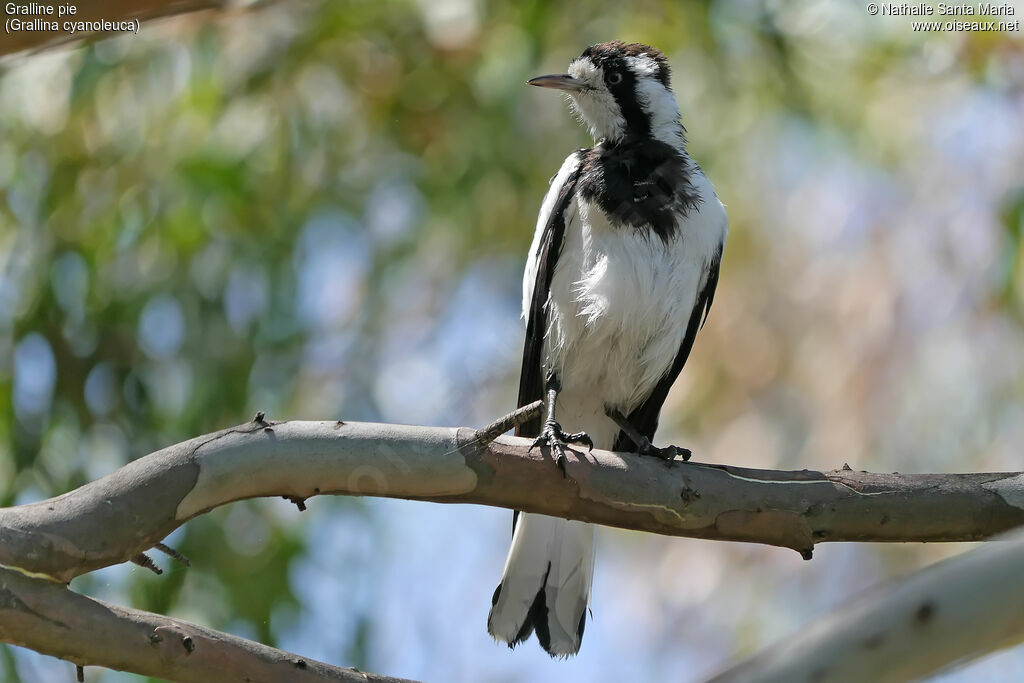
x=620 y=277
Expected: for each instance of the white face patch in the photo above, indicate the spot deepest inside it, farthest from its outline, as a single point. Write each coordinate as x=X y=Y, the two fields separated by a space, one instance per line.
x=657 y=101
x=596 y=106
x=642 y=65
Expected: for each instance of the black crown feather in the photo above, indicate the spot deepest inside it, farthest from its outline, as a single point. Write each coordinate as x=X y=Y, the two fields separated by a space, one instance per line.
x=606 y=53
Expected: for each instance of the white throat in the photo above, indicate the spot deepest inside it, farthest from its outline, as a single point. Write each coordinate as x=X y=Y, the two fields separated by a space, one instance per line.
x=596 y=107
x=599 y=111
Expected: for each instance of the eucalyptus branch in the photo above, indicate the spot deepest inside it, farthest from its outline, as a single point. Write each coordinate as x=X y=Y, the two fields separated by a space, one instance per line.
x=119 y=517
x=42 y=35
x=47 y=617
x=126 y=513
x=946 y=614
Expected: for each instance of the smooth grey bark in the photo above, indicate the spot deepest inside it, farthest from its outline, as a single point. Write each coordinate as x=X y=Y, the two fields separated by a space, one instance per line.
x=45 y=544
x=47 y=617
x=948 y=613
x=113 y=519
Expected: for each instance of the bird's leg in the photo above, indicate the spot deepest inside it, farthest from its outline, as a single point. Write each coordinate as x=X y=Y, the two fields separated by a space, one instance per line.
x=643 y=444
x=552 y=435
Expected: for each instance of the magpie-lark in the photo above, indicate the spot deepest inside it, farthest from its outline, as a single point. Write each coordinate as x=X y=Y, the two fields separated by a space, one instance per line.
x=620 y=276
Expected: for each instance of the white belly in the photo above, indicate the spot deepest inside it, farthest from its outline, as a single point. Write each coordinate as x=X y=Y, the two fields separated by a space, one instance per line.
x=620 y=304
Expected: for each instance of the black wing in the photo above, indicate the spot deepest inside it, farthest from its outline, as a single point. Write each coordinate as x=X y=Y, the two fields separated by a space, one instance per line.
x=531 y=377
x=645 y=418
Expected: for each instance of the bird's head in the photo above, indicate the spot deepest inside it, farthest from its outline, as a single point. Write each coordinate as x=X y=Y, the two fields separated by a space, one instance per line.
x=621 y=90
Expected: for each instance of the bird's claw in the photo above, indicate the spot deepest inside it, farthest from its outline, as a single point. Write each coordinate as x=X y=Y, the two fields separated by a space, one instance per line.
x=557 y=440
x=666 y=453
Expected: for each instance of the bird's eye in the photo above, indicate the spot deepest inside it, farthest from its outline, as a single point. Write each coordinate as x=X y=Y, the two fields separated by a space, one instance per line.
x=614 y=78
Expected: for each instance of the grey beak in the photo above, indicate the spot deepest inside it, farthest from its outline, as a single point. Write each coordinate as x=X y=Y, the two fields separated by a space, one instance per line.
x=559 y=82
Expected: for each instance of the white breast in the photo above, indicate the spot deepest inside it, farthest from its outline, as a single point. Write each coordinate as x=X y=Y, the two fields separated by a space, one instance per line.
x=619 y=305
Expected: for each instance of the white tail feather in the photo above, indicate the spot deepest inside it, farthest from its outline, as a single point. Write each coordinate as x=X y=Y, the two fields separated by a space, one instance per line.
x=555 y=556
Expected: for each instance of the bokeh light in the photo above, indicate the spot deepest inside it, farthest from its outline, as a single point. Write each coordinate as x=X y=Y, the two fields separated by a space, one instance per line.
x=321 y=210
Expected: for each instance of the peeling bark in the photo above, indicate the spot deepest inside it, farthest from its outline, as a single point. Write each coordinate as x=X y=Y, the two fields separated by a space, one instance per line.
x=115 y=518
x=48 y=618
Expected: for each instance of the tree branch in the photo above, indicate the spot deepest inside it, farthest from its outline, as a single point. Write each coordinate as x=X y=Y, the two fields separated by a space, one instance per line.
x=115 y=518
x=953 y=611
x=91 y=11
x=47 y=617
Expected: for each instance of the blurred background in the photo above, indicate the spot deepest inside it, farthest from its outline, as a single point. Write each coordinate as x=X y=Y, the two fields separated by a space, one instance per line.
x=322 y=210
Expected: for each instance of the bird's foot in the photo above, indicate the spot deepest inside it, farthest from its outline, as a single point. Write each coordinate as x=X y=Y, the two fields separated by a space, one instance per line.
x=557 y=441
x=666 y=453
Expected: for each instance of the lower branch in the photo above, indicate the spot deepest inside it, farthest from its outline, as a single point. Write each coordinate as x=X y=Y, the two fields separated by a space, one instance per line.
x=113 y=519
x=120 y=516
x=952 y=612
x=48 y=618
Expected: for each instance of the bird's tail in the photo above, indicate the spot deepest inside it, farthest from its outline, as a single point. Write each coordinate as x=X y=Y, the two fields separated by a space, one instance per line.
x=546 y=584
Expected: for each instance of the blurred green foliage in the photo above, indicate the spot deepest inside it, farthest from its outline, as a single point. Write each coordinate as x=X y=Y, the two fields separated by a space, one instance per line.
x=320 y=209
